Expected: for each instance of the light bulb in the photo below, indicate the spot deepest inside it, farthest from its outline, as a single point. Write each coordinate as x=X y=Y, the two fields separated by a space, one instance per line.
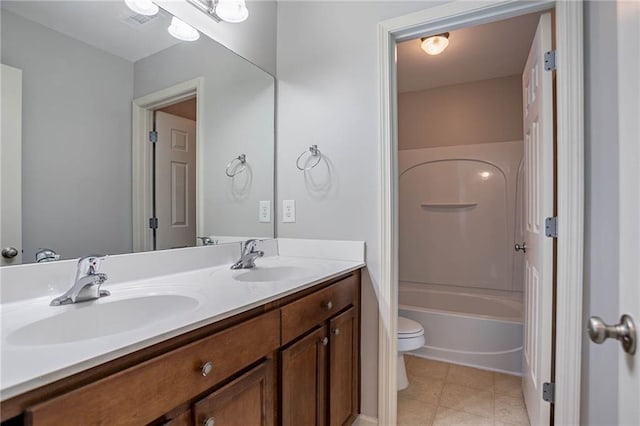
x=435 y=45
x=142 y=7
x=182 y=31
x=233 y=11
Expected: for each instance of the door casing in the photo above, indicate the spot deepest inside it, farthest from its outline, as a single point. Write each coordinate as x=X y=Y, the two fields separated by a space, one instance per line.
x=142 y=160
x=570 y=185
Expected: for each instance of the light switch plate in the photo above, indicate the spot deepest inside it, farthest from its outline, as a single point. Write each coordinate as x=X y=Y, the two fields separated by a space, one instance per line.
x=288 y=211
x=264 y=214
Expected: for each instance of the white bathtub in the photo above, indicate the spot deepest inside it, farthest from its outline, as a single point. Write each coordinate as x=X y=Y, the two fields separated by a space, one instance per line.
x=465 y=328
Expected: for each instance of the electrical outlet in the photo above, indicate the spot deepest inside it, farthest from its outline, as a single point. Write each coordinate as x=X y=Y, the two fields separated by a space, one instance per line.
x=264 y=214
x=288 y=211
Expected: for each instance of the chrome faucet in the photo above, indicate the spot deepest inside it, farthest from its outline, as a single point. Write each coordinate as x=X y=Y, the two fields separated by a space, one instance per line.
x=249 y=255
x=46 y=255
x=208 y=241
x=87 y=283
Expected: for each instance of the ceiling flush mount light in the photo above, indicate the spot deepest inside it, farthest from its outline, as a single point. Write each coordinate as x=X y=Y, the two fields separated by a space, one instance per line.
x=182 y=30
x=142 y=7
x=233 y=11
x=435 y=45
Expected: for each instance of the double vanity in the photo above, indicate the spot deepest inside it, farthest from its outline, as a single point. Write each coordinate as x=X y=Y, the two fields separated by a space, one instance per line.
x=184 y=339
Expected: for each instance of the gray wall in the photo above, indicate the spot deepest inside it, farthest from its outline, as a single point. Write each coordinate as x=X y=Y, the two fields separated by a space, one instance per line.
x=599 y=387
x=239 y=119
x=76 y=146
x=483 y=111
x=328 y=95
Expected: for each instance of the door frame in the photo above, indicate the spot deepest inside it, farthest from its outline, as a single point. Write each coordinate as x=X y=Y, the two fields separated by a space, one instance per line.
x=628 y=32
x=570 y=185
x=142 y=110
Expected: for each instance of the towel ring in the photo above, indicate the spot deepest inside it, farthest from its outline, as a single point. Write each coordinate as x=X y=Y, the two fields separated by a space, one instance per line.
x=315 y=152
x=242 y=159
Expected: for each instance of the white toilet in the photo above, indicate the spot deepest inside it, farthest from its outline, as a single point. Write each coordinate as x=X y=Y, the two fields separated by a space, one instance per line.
x=410 y=337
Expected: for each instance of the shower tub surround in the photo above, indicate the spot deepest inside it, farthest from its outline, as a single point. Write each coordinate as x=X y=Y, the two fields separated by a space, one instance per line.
x=460 y=213
x=190 y=287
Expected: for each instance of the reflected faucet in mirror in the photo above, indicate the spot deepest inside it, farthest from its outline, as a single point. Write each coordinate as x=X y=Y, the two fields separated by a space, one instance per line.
x=87 y=283
x=208 y=241
x=249 y=255
x=46 y=255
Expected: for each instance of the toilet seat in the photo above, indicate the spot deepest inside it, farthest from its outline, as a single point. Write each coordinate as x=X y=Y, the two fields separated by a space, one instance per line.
x=410 y=335
x=408 y=329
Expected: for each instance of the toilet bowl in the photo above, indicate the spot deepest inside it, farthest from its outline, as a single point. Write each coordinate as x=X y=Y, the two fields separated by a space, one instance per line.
x=410 y=337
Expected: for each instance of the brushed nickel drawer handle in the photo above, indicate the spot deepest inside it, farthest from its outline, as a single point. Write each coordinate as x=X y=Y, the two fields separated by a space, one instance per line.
x=327 y=305
x=206 y=369
x=324 y=341
x=211 y=421
x=335 y=331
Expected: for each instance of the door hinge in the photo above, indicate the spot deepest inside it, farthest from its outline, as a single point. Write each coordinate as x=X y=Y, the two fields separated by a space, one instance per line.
x=153 y=136
x=153 y=222
x=550 y=60
x=551 y=227
x=549 y=392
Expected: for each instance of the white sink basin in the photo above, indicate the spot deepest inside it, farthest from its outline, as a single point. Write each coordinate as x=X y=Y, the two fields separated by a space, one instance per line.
x=89 y=320
x=272 y=273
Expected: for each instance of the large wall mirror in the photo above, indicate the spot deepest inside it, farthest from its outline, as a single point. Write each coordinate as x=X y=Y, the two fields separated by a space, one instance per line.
x=120 y=124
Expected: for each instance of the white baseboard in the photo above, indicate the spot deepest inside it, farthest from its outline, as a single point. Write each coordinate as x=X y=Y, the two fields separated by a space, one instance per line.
x=363 y=420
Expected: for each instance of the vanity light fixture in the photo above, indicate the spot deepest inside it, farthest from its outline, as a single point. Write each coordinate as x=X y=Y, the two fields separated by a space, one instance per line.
x=435 y=45
x=183 y=31
x=143 y=7
x=233 y=11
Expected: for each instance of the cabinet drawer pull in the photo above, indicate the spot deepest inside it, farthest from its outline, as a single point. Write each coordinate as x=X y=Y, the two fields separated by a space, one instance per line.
x=205 y=370
x=324 y=341
x=327 y=305
x=211 y=421
x=335 y=331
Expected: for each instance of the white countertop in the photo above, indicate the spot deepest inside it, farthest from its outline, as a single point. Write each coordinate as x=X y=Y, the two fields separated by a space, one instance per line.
x=219 y=291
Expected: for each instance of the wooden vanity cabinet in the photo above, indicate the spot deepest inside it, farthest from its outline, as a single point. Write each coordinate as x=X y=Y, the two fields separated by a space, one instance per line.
x=293 y=361
x=247 y=400
x=320 y=370
x=303 y=380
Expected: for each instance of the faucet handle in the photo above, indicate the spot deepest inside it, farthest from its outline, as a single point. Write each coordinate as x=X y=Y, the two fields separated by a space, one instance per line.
x=89 y=265
x=249 y=245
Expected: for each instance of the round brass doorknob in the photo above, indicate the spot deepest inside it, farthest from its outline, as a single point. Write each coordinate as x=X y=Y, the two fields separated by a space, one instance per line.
x=9 y=252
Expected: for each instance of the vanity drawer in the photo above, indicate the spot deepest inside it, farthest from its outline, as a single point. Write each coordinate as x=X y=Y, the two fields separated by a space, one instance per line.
x=142 y=393
x=303 y=314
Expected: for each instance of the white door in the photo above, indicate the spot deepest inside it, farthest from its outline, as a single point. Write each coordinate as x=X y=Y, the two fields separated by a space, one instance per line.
x=10 y=166
x=175 y=181
x=628 y=16
x=538 y=168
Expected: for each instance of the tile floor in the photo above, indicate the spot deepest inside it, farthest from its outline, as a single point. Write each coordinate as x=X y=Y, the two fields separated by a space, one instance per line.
x=446 y=394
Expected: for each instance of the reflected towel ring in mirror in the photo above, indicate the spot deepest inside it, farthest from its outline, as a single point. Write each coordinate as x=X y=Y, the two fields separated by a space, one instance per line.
x=315 y=152
x=242 y=159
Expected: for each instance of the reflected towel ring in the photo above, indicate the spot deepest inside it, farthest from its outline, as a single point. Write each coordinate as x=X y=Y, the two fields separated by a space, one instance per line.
x=242 y=159
x=315 y=152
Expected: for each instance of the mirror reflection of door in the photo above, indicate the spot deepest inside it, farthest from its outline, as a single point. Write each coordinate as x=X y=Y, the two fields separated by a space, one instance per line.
x=175 y=178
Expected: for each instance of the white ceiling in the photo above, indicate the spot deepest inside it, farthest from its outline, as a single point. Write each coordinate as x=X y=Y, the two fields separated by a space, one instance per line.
x=493 y=50
x=102 y=24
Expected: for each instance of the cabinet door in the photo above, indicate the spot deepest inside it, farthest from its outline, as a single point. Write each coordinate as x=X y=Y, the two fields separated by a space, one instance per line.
x=343 y=368
x=246 y=401
x=303 y=399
